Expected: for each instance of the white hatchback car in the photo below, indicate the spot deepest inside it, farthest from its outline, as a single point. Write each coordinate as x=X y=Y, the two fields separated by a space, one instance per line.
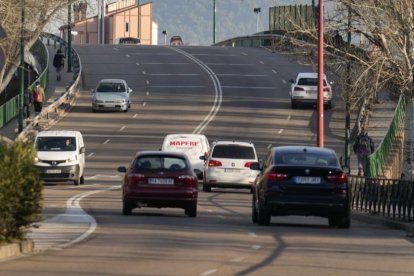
x=228 y=165
x=111 y=94
x=305 y=90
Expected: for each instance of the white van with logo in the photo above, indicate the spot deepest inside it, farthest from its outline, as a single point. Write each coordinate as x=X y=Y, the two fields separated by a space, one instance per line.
x=60 y=156
x=193 y=145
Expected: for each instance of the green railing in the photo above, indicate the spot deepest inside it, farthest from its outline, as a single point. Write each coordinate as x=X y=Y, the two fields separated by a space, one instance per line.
x=11 y=109
x=378 y=160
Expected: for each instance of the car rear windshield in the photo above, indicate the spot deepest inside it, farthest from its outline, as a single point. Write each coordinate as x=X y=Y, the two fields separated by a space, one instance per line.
x=56 y=144
x=310 y=81
x=159 y=163
x=307 y=159
x=110 y=87
x=233 y=152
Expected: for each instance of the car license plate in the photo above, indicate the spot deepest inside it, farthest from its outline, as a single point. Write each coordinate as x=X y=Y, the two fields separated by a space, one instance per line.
x=232 y=170
x=163 y=181
x=53 y=171
x=311 y=92
x=308 y=180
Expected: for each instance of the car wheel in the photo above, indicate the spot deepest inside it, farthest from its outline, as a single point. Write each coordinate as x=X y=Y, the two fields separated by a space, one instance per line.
x=93 y=110
x=206 y=188
x=263 y=215
x=340 y=221
x=191 y=210
x=127 y=208
x=329 y=105
x=254 y=210
x=82 y=180
x=77 y=181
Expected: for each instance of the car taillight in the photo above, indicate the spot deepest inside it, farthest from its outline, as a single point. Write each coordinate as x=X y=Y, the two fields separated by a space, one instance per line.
x=326 y=89
x=248 y=164
x=339 y=178
x=187 y=180
x=298 y=88
x=136 y=178
x=275 y=176
x=214 y=163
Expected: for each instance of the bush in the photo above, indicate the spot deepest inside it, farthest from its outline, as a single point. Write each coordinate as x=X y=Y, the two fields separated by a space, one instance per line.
x=20 y=190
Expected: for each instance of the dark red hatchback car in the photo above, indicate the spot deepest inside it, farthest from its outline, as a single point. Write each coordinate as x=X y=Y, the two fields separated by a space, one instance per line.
x=159 y=179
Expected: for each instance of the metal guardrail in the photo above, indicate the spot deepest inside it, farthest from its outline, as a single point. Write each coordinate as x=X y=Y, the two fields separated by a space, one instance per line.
x=378 y=159
x=391 y=198
x=11 y=109
x=61 y=104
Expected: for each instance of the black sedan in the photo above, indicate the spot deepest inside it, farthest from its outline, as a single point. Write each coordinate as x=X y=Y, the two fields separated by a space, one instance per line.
x=301 y=180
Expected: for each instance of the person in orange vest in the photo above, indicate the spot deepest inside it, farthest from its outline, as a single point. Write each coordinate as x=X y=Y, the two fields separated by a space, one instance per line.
x=38 y=96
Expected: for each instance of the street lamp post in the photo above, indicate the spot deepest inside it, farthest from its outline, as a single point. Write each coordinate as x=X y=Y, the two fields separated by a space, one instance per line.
x=139 y=21
x=214 y=21
x=20 y=127
x=320 y=137
x=257 y=11
x=165 y=36
x=69 y=37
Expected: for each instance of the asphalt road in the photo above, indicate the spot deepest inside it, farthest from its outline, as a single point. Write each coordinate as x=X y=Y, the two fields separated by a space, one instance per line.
x=224 y=93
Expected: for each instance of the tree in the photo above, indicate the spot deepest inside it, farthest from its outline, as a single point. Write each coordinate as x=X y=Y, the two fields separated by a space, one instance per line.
x=37 y=15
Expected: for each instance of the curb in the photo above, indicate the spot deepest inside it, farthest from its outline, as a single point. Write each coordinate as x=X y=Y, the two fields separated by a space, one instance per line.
x=375 y=218
x=16 y=249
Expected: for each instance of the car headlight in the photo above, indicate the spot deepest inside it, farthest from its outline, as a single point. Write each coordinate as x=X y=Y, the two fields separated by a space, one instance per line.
x=37 y=159
x=71 y=159
x=121 y=101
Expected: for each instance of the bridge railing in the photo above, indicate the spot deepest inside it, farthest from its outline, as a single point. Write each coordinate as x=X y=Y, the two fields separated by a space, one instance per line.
x=61 y=104
x=10 y=109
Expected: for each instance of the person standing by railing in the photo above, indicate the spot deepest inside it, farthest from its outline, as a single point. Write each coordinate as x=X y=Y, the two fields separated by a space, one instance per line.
x=59 y=63
x=363 y=147
x=27 y=102
x=39 y=96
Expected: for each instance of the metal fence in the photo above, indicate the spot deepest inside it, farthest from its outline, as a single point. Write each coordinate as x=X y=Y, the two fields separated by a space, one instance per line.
x=11 y=108
x=391 y=198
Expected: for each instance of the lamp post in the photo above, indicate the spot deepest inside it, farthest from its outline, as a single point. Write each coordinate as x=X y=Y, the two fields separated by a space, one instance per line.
x=165 y=36
x=139 y=21
x=69 y=37
x=214 y=21
x=347 y=103
x=257 y=11
x=20 y=127
x=320 y=77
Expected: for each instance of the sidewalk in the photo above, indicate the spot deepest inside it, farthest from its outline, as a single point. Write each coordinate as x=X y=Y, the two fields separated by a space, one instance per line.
x=53 y=91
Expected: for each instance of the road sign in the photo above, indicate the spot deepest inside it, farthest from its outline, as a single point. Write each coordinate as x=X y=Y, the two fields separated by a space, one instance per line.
x=2 y=53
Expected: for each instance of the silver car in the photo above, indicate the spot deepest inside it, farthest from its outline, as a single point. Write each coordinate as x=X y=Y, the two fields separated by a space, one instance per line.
x=111 y=95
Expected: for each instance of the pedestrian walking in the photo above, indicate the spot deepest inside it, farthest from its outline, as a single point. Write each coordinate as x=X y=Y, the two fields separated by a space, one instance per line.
x=27 y=102
x=59 y=63
x=363 y=147
x=38 y=96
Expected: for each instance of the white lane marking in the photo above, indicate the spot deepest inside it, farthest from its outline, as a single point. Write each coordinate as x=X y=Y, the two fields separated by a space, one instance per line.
x=280 y=131
x=208 y=272
x=90 y=154
x=240 y=75
x=274 y=71
x=122 y=128
x=252 y=234
x=244 y=54
x=136 y=115
x=209 y=210
x=216 y=55
x=238 y=259
x=126 y=136
x=261 y=62
x=284 y=81
x=147 y=82
x=163 y=63
x=178 y=86
x=289 y=117
x=137 y=63
x=218 y=97
x=248 y=87
x=128 y=56
x=269 y=146
x=143 y=72
x=154 y=54
x=144 y=103
x=116 y=49
x=107 y=141
x=170 y=74
x=256 y=247
x=220 y=216
x=103 y=176
x=147 y=93
x=227 y=64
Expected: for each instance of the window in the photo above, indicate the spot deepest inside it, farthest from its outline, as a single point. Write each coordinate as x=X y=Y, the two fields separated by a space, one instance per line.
x=126 y=27
x=233 y=152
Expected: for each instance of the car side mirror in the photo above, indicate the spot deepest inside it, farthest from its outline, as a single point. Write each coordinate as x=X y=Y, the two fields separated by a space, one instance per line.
x=292 y=81
x=82 y=150
x=203 y=157
x=331 y=82
x=122 y=169
x=255 y=166
x=129 y=90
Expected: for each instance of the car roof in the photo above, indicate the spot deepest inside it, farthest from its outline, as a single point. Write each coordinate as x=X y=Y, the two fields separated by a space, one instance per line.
x=58 y=133
x=113 y=80
x=309 y=75
x=298 y=149
x=161 y=153
x=187 y=135
x=239 y=143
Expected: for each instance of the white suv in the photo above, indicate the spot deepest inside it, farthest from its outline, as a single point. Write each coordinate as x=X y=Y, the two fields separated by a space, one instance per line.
x=228 y=165
x=305 y=90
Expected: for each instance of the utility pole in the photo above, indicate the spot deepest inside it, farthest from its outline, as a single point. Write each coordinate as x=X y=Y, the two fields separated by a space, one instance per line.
x=214 y=22
x=69 y=55
x=320 y=77
x=20 y=128
x=347 y=103
x=257 y=11
x=139 y=21
x=165 y=36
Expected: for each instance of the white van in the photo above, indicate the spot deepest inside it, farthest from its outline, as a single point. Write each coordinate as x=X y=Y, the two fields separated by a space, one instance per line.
x=193 y=145
x=60 y=156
